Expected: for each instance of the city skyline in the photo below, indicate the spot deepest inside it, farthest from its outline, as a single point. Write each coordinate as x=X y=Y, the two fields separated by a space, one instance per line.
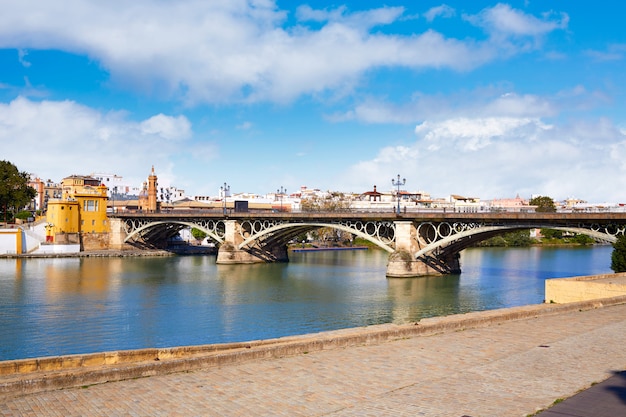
x=488 y=100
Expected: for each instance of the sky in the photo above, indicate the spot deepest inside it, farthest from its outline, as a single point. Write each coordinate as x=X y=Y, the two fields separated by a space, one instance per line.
x=481 y=99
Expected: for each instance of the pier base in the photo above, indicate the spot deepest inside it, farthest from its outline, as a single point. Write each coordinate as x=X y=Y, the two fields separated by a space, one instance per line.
x=229 y=254
x=402 y=264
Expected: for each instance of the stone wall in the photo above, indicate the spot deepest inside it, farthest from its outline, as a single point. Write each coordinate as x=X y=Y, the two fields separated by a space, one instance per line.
x=95 y=241
x=22 y=376
x=568 y=290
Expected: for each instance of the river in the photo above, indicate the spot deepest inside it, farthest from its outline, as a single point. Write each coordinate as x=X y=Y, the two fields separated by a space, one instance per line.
x=81 y=305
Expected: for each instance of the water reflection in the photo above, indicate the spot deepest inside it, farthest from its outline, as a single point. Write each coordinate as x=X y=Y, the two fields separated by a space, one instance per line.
x=62 y=306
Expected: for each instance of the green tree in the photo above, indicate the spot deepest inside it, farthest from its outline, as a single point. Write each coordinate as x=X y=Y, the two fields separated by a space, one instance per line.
x=15 y=193
x=23 y=215
x=583 y=239
x=519 y=238
x=544 y=204
x=618 y=257
x=552 y=233
x=198 y=234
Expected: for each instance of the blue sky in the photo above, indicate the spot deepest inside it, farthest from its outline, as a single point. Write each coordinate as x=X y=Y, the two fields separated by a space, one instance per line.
x=479 y=98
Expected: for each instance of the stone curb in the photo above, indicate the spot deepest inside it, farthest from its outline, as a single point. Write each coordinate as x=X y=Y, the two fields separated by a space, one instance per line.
x=90 y=254
x=24 y=376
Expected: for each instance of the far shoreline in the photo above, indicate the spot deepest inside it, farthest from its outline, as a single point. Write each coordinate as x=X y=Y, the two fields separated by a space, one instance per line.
x=112 y=253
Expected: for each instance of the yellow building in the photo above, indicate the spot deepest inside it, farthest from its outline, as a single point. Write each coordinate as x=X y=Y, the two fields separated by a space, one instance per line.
x=81 y=211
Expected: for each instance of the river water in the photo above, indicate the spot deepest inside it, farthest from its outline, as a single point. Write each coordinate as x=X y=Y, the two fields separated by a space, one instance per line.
x=81 y=305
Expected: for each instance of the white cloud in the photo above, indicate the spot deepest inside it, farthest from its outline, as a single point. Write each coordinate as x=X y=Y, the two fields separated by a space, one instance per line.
x=503 y=156
x=467 y=134
x=244 y=126
x=49 y=137
x=614 y=52
x=363 y=20
x=504 y=20
x=484 y=103
x=215 y=51
x=22 y=58
x=167 y=127
x=440 y=11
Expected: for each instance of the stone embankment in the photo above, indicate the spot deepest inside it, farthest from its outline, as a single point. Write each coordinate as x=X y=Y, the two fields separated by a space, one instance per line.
x=591 y=287
x=18 y=377
x=92 y=254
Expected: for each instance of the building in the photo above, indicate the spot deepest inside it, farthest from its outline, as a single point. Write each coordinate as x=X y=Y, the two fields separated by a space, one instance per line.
x=148 y=195
x=118 y=188
x=37 y=203
x=516 y=204
x=51 y=190
x=79 y=215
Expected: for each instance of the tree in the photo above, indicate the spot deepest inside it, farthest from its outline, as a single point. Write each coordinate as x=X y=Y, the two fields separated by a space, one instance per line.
x=552 y=233
x=519 y=238
x=618 y=257
x=331 y=203
x=583 y=239
x=198 y=234
x=544 y=204
x=15 y=193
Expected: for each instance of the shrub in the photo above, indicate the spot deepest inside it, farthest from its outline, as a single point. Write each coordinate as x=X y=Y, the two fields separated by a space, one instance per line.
x=618 y=257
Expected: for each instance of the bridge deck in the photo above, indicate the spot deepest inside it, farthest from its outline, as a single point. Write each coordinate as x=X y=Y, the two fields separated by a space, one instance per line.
x=530 y=218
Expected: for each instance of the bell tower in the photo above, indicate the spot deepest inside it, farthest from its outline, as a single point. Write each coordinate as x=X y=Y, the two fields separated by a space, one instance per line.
x=152 y=192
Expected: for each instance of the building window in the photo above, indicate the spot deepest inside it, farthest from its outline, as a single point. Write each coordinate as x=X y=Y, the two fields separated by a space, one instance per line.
x=89 y=205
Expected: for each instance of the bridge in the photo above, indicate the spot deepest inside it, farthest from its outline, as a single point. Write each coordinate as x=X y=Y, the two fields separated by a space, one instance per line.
x=423 y=243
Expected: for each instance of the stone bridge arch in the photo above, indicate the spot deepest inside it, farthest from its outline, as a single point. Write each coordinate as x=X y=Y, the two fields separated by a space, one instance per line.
x=467 y=238
x=424 y=243
x=439 y=248
x=154 y=232
x=381 y=234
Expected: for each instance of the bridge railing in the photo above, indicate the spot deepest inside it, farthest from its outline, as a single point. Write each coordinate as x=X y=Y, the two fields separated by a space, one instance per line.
x=532 y=218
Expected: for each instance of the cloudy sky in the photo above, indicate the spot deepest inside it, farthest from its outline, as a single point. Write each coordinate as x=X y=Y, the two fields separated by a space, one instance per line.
x=479 y=98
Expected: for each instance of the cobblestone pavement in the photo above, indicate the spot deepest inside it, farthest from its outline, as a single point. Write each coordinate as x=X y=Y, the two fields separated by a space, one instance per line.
x=514 y=368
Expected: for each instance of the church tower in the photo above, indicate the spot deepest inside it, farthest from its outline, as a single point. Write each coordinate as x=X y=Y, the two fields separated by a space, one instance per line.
x=152 y=192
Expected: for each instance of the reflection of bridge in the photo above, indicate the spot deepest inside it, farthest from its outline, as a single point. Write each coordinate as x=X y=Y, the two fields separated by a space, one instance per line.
x=419 y=243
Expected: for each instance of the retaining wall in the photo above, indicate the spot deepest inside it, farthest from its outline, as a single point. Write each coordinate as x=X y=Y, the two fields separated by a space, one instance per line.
x=18 y=377
x=591 y=287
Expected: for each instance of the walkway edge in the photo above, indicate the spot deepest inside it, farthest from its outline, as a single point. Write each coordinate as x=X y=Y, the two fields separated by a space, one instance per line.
x=24 y=376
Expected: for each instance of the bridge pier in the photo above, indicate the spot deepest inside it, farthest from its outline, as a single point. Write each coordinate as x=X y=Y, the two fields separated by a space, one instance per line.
x=229 y=252
x=402 y=262
x=117 y=234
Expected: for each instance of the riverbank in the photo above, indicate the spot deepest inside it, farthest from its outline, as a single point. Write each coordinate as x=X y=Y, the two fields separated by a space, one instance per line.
x=330 y=248
x=37 y=374
x=469 y=364
x=92 y=254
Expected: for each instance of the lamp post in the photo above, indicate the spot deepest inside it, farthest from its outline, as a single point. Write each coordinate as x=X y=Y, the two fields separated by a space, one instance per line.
x=280 y=193
x=224 y=189
x=398 y=183
x=113 y=192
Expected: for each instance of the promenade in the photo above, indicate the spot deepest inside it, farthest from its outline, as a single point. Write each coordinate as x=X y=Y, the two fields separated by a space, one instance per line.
x=511 y=362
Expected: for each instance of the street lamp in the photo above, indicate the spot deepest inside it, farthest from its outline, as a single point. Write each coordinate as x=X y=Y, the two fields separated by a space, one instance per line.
x=225 y=189
x=113 y=192
x=398 y=183
x=280 y=193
